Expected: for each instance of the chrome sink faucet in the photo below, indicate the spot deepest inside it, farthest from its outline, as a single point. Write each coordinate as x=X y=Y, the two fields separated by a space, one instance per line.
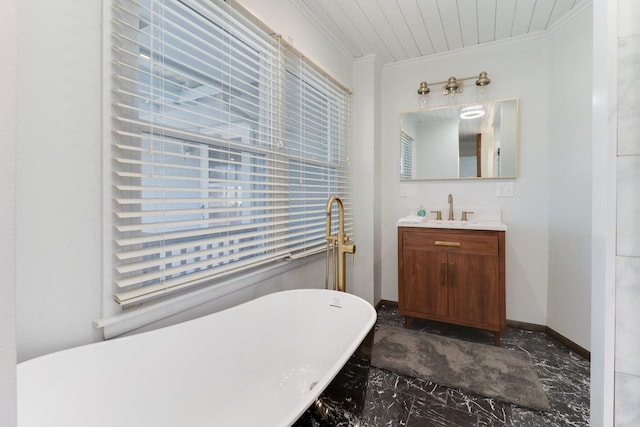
x=450 y=200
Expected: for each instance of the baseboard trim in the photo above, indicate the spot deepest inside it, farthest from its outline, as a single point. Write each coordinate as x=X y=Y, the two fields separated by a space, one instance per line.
x=572 y=345
x=387 y=303
x=525 y=326
x=581 y=351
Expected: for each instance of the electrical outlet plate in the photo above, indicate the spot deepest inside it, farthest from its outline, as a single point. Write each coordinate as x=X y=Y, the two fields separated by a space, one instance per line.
x=504 y=189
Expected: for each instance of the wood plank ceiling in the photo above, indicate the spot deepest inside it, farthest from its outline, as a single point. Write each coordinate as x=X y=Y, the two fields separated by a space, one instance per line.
x=398 y=30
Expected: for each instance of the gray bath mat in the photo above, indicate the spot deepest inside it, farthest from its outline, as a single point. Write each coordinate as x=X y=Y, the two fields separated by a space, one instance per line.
x=485 y=370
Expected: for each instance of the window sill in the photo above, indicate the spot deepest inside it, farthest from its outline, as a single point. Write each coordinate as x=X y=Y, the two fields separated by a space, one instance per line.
x=138 y=317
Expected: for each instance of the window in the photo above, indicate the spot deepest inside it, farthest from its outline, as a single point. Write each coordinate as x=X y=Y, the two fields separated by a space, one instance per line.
x=226 y=146
x=406 y=157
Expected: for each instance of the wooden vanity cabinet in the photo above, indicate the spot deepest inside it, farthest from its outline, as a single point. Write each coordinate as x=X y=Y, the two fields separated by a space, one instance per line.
x=454 y=276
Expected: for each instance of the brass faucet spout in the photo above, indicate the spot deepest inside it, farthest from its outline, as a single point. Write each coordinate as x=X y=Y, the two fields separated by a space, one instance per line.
x=337 y=200
x=450 y=200
x=339 y=240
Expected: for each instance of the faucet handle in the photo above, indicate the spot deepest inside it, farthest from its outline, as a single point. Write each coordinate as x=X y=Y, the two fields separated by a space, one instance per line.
x=464 y=214
x=438 y=215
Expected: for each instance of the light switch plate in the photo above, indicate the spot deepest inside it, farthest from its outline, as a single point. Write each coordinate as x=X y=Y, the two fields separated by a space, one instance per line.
x=504 y=189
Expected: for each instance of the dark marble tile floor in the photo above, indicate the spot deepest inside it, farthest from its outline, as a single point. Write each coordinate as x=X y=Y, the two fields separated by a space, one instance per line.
x=363 y=395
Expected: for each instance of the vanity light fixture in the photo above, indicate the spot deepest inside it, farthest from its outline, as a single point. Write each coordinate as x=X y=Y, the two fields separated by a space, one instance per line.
x=453 y=85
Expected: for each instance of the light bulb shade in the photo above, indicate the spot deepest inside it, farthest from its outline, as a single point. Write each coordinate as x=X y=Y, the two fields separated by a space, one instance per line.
x=483 y=79
x=423 y=89
x=452 y=85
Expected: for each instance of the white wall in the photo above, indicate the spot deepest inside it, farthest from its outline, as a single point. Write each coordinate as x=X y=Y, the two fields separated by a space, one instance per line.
x=8 y=77
x=510 y=66
x=364 y=151
x=569 y=300
x=58 y=175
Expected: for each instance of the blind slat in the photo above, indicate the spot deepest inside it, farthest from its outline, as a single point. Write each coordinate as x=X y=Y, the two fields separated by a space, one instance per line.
x=193 y=235
x=137 y=295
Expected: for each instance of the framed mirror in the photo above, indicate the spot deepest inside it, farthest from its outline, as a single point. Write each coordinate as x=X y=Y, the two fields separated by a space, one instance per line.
x=470 y=141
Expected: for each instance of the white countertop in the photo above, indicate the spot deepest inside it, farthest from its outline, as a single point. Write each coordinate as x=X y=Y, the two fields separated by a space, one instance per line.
x=418 y=221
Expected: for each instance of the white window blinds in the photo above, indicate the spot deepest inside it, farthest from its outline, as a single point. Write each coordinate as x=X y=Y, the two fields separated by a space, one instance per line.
x=316 y=128
x=406 y=156
x=226 y=147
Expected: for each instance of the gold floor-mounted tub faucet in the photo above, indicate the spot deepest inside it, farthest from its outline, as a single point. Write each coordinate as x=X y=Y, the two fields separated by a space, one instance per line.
x=338 y=242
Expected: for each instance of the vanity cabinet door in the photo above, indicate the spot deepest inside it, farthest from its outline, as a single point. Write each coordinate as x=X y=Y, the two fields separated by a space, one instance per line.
x=425 y=276
x=473 y=289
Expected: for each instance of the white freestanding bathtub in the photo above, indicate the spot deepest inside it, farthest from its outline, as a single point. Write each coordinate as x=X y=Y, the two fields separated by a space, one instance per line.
x=261 y=363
